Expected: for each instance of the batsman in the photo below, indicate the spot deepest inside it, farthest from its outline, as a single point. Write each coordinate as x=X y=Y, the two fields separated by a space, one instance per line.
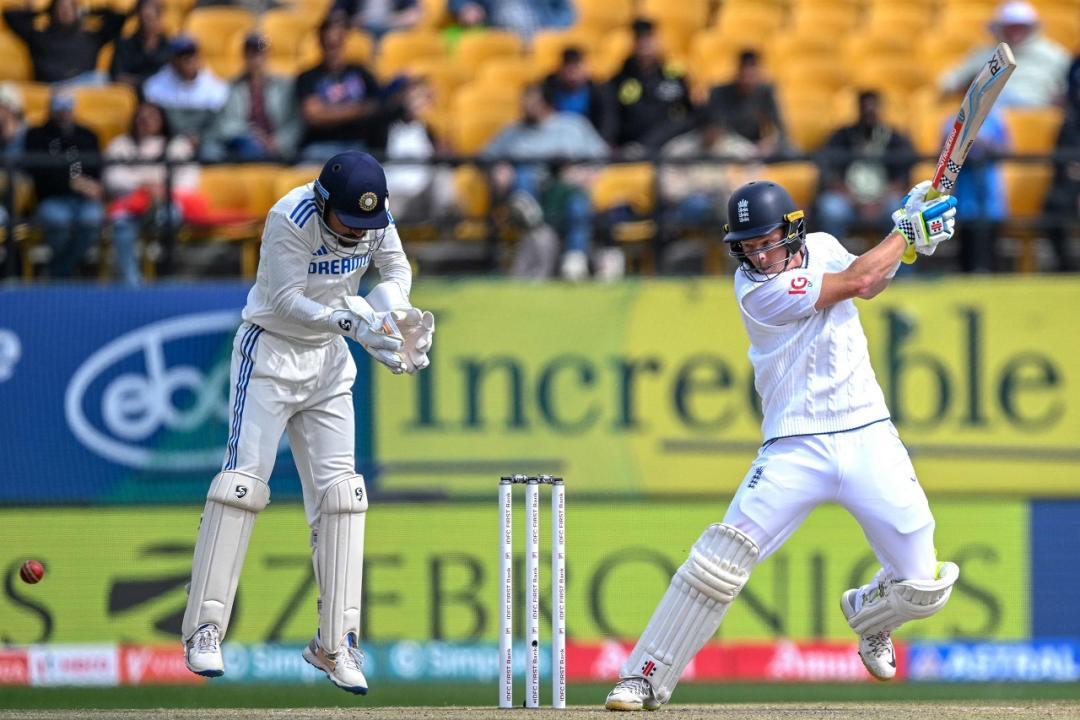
x=827 y=438
x=292 y=372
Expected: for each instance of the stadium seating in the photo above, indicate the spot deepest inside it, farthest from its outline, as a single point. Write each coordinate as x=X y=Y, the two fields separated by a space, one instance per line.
x=15 y=61
x=107 y=110
x=35 y=98
x=633 y=185
x=398 y=50
x=244 y=194
x=548 y=46
x=1033 y=130
x=605 y=15
x=475 y=49
x=800 y=179
x=1025 y=187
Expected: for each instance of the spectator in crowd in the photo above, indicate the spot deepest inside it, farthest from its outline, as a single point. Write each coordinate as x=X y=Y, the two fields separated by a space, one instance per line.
x=523 y=17
x=12 y=142
x=695 y=194
x=651 y=102
x=538 y=148
x=259 y=120
x=572 y=90
x=748 y=107
x=1039 y=77
x=379 y=17
x=138 y=191
x=65 y=47
x=421 y=190
x=1063 y=199
x=864 y=170
x=341 y=104
x=189 y=93
x=67 y=185
x=980 y=196
x=146 y=51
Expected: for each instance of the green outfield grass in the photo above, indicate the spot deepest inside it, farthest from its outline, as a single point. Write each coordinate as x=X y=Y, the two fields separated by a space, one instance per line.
x=394 y=694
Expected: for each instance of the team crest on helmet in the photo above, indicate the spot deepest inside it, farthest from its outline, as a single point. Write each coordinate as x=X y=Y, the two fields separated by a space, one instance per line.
x=368 y=201
x=743 y=208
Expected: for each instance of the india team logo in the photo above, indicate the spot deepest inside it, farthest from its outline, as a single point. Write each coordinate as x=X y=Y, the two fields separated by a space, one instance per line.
x=743 y=209
x=368 y=201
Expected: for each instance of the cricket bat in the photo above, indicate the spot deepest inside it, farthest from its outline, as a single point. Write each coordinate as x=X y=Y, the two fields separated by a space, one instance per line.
x=974 y=108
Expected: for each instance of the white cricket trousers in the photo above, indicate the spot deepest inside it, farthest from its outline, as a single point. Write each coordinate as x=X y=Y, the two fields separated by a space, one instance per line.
x=867 y=472
x=278 y=385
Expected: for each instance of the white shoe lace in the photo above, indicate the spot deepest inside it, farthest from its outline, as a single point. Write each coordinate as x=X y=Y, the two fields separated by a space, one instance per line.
x=206 y=639
x=350 y=657
x=880 y=644
x=638 y=685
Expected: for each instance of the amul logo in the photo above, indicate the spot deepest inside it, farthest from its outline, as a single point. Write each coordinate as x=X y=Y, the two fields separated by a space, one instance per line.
x=743 y=210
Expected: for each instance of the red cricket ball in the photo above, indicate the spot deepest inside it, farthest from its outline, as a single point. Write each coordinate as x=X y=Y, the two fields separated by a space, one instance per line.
x=32 y=571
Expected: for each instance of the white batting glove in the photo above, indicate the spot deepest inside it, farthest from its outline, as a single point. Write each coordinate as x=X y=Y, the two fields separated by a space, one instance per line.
x=925 y=223
x=418 y=329
x=375 y=331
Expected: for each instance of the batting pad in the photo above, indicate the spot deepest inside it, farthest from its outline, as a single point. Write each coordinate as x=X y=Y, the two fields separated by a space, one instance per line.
x=338 y=555
x=693 y=606
x=232 y=503
x=887 y=607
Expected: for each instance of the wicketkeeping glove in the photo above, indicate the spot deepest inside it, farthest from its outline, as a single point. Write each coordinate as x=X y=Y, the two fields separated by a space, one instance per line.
x=418 y=329
x=925 y=223
x=375 y=331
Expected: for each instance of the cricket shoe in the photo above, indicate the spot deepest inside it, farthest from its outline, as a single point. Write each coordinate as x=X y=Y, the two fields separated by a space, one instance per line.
x=875 y=649
x=633 y=693
x=202 y=652
x=343 y=667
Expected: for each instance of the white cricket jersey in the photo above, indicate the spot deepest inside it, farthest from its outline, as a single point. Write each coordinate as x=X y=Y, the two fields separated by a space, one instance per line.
x=301 y=281
x=811 y=369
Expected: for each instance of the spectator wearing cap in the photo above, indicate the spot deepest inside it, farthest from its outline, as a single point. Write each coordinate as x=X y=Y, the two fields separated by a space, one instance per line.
x=379 y=17
x=67 y=184
x=748 y=107
x=341 y=104
x=259 y=120
x=1041 y=64
x=12 y=140
x=572 y=90
x=650 y=102
x=523 y=17
x=864 y=170
x=142 y=54
x=189 y=93
x=64 y=48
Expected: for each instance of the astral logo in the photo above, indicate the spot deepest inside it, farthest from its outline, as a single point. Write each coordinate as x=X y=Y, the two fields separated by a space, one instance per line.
x=134 y=405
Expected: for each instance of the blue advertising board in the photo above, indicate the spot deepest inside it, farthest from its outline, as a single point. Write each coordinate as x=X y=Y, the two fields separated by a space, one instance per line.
x=112 y=395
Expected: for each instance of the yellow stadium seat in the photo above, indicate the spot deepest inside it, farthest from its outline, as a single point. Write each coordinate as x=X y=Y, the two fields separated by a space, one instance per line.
x=472 y=191
x=286 y=30
x=476 y=48
x=936 y=55
x=800 y=179
x=289 y=178
x=397 y=50
x=35 y=97
x=469 y=134
x=897 y=109
x=1033 y=130
x=15 y=61
x=807 y=126
x=753 y=21
x=359 y=49
x=612 y=55
x=687 y=13
x=813 y=73
x=604 y=14
x=1026 y=185
x=889 y=18
x=107 y=110
x=889 y=72
x=1062 y=24
x=968 y=19
x=436 y=14
x=247 y=190
x=880 y=43
x=631 y=184
x=828 y=19
x=213 y=27
x=513 y=71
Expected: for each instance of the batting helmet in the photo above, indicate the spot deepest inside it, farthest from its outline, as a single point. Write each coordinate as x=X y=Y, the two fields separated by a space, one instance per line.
x=757 y=209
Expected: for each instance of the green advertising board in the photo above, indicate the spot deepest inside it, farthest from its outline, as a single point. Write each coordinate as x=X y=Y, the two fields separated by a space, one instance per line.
x=431 y=572
x=646 y=388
